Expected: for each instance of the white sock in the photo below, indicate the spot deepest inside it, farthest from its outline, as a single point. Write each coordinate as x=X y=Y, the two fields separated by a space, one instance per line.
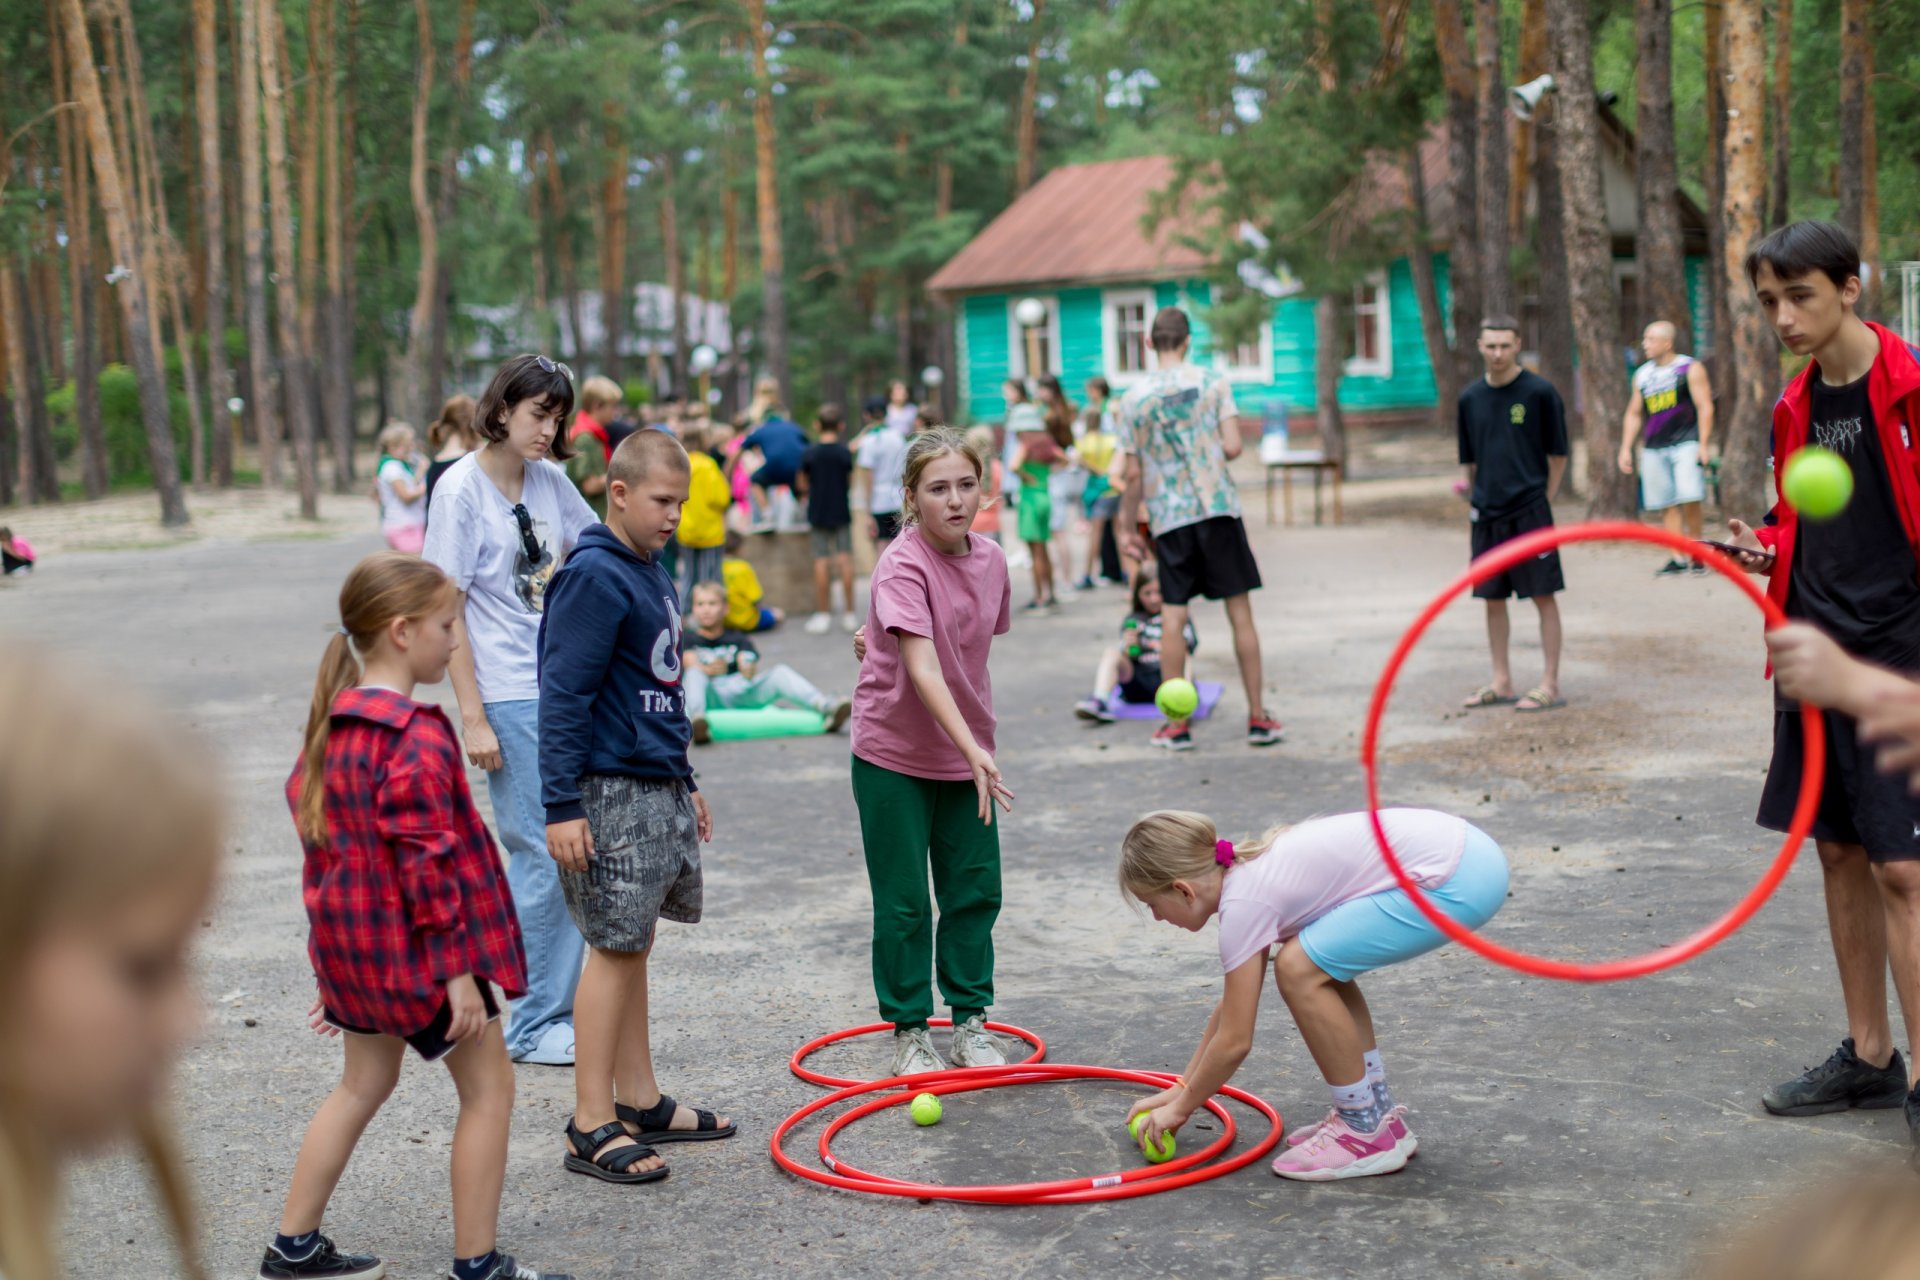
x=1357 y=1106
x=1376 y=1070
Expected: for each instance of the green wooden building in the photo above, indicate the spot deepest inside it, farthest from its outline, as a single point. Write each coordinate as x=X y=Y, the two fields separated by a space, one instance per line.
x=1077 y=242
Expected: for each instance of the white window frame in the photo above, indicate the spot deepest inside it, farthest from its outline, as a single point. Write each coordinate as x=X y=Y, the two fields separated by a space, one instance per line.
x=1110 y=301
x=1382 y=366
x=1017 y=338
x=1260 y=372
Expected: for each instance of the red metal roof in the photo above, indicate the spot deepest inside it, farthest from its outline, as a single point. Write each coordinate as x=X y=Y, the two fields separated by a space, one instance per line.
x=1080 y=223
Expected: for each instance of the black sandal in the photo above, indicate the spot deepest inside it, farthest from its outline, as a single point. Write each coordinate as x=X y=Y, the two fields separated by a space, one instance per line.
x=653 y=1123
x=591 y=1156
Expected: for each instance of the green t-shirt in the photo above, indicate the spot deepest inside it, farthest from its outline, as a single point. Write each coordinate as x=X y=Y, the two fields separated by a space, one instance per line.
x=589 y=461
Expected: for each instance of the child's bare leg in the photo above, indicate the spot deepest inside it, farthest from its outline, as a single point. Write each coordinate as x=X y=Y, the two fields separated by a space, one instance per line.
x=822 y=584
x=483 y=1076
x=603 y=1010
x=1326 y=1023
x=1113 y=670
x=1362 y=1016
x=372 y=1069
x=1173 y=641
x=844 y=563
x=633 y=1076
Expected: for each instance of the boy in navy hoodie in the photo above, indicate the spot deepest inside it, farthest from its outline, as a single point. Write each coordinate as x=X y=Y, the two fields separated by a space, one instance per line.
x=623 y=818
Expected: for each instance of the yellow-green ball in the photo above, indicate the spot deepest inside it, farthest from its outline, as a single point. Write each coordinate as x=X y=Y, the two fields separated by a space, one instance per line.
x=1177 y=699
x=1817 y=482
x=1167 y=1146
x=925 y=1109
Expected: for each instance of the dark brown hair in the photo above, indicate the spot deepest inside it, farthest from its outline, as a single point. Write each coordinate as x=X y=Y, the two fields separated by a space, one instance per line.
x=1059 y=414
x=831 y=418
x=1170 y=329
x=1802 y=248
x=1498 y=322
x=522 y=378
x=456 y=418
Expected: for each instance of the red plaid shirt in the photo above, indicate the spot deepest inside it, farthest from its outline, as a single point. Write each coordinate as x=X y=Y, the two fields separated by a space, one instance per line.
x=408 y=891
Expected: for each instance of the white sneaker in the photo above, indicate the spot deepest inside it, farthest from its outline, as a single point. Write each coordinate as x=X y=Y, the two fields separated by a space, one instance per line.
x=818 y=624
x=849 y=623
x=555 y=1047
x=913 y=1053
x=975 y=1046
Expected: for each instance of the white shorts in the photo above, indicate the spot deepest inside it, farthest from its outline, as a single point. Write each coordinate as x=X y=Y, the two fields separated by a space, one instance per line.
x=1671 y=477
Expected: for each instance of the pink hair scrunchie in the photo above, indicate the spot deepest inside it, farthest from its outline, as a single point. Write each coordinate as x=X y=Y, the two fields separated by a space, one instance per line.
x=1223 y=852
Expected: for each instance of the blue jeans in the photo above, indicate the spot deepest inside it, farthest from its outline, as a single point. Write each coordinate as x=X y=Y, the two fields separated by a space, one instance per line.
x=555 y=951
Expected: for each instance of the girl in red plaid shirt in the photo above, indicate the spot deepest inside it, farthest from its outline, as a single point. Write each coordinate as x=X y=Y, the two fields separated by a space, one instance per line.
x=412 y=922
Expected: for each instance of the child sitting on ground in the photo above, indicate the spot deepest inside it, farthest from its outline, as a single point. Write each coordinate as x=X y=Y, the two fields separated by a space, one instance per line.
x=721 y=669
x=1133 y=664
x=16 y=554
x=747 y=607
x=1323 y=894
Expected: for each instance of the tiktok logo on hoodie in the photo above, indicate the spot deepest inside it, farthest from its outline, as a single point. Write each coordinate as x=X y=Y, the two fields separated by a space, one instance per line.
x=666 y=649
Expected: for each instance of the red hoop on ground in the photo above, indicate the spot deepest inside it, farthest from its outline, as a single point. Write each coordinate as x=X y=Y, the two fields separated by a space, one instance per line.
x=1499 y=560
x=1184 y=1171
x=797 y=1063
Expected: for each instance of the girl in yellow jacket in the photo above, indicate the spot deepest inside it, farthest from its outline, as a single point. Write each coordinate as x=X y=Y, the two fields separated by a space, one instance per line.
x=703 y=521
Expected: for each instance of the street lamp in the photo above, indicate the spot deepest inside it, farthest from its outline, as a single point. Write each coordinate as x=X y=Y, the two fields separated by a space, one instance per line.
x=701 y=360
x=1031 y=314
x=931 y=377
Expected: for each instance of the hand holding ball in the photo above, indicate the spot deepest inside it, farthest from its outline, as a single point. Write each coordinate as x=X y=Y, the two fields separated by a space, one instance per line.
x=925 y=1109
x=1817 y=482
x=1166 y=1148
x=1177 y=699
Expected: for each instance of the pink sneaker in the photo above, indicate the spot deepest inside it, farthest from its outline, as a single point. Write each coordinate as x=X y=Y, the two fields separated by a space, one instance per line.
x=1336 y=1151
x=1396 y=1119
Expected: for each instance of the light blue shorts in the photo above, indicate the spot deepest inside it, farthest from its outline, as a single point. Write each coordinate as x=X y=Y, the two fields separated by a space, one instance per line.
x=1385 y=928
x=1671 y=477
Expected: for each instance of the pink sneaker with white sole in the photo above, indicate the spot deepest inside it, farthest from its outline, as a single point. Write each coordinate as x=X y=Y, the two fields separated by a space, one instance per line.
x=1396 y=1117
x=1337 y=1151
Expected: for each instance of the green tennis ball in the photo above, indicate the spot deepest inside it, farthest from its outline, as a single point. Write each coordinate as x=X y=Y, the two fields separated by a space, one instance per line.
x=1177 y=699
x=1817 y=482
x=925 y=1109
x=1166 y=1150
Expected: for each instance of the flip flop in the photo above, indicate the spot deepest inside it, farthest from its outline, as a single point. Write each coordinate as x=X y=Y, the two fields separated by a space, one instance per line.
x=1487 y=696
x=1541 y=700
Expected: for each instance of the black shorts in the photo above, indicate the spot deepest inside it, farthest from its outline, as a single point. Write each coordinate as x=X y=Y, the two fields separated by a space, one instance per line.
x=1539 y=576
x=1211 y=559
x=886 y=526
x=1858 y=803
x=1140 y=687
x=430 y=1042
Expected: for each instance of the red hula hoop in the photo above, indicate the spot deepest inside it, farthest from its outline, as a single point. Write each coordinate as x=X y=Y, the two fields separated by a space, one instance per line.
x=1496 y=561
x=797 y=1063
x=1181 y=1172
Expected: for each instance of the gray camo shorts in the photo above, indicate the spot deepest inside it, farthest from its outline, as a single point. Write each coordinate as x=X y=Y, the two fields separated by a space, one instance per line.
x=645 y=863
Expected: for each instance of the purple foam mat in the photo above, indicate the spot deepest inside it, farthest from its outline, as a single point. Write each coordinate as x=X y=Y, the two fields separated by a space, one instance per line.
x=1209 y=696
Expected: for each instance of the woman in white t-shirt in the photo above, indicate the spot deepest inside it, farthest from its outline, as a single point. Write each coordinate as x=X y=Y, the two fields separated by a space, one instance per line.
x=1322 y=893
x=401 y=488
x=504 y=517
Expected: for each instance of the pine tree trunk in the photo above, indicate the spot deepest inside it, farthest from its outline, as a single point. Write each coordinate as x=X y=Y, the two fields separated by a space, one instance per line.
x=25 y=373
x=1720 y=326
x=1027 y=128
x=9 y=425
x=563 y=254
x=1782 y=111
x=445 y=206
x=76 y=202
x=1755 y=367
x=305 y=108
x=1589 y=258
x=1494 y=149
x=616 y=305
x=206 y=83
x=1329 y=366
x=1556 y=298
x=1463 y=137
x=1426 y=291
x=345 y=300
x=427 y=285
x=1870 y=201
x=773 y=269
x=676 y=266
x=542 y=235
x=336 y=377
x=1659 y=253
x=253 y=237
x=1853 y=112
x=1533 y=62
x=294 y=364
x=132 y=290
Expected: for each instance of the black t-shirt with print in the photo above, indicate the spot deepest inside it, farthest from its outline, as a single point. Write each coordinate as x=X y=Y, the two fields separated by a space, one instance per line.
x=1143 y=629
x=828 y=467
x=1854 y=576
x=1506 y=435
x=730 y=647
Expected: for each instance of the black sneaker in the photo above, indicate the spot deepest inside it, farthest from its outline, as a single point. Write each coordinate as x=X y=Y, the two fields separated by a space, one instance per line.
x=1842 y=1081
x=1699 y=569
x=506 y=1268
x=1913 y=1118
x=325 y=1261
x=1671 y=569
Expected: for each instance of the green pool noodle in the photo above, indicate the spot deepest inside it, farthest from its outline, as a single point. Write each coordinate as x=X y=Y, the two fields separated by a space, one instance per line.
x=740 y=725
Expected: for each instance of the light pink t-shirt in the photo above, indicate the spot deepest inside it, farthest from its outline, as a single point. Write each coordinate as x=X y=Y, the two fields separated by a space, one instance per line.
x=960 y=603
x=1319 y=865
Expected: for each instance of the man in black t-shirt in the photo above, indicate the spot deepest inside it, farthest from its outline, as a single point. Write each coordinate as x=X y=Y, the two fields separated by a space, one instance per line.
x=826 y=477
x=1513 y=444
x=1855 y=577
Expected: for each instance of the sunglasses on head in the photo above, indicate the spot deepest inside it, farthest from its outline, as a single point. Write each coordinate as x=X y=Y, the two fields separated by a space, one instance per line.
x=528 y=543
x=554 y=366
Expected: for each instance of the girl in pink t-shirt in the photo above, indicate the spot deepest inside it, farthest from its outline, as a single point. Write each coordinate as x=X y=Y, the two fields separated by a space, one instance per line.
x=1323 y=894
x=923 y=772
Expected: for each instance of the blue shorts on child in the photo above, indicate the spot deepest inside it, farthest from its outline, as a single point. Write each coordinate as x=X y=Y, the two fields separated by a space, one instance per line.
x=1385 y=928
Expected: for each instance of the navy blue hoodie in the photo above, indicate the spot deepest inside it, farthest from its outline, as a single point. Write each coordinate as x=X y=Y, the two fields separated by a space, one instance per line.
x=610 y=696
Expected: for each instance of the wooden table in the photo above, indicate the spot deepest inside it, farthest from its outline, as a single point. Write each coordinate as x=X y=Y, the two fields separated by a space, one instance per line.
x=1303 y=460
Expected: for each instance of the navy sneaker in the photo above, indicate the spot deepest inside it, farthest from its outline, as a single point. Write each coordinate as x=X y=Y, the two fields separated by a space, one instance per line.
x=505 y=1267
x=1842 y=1081
x=324 y=1262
